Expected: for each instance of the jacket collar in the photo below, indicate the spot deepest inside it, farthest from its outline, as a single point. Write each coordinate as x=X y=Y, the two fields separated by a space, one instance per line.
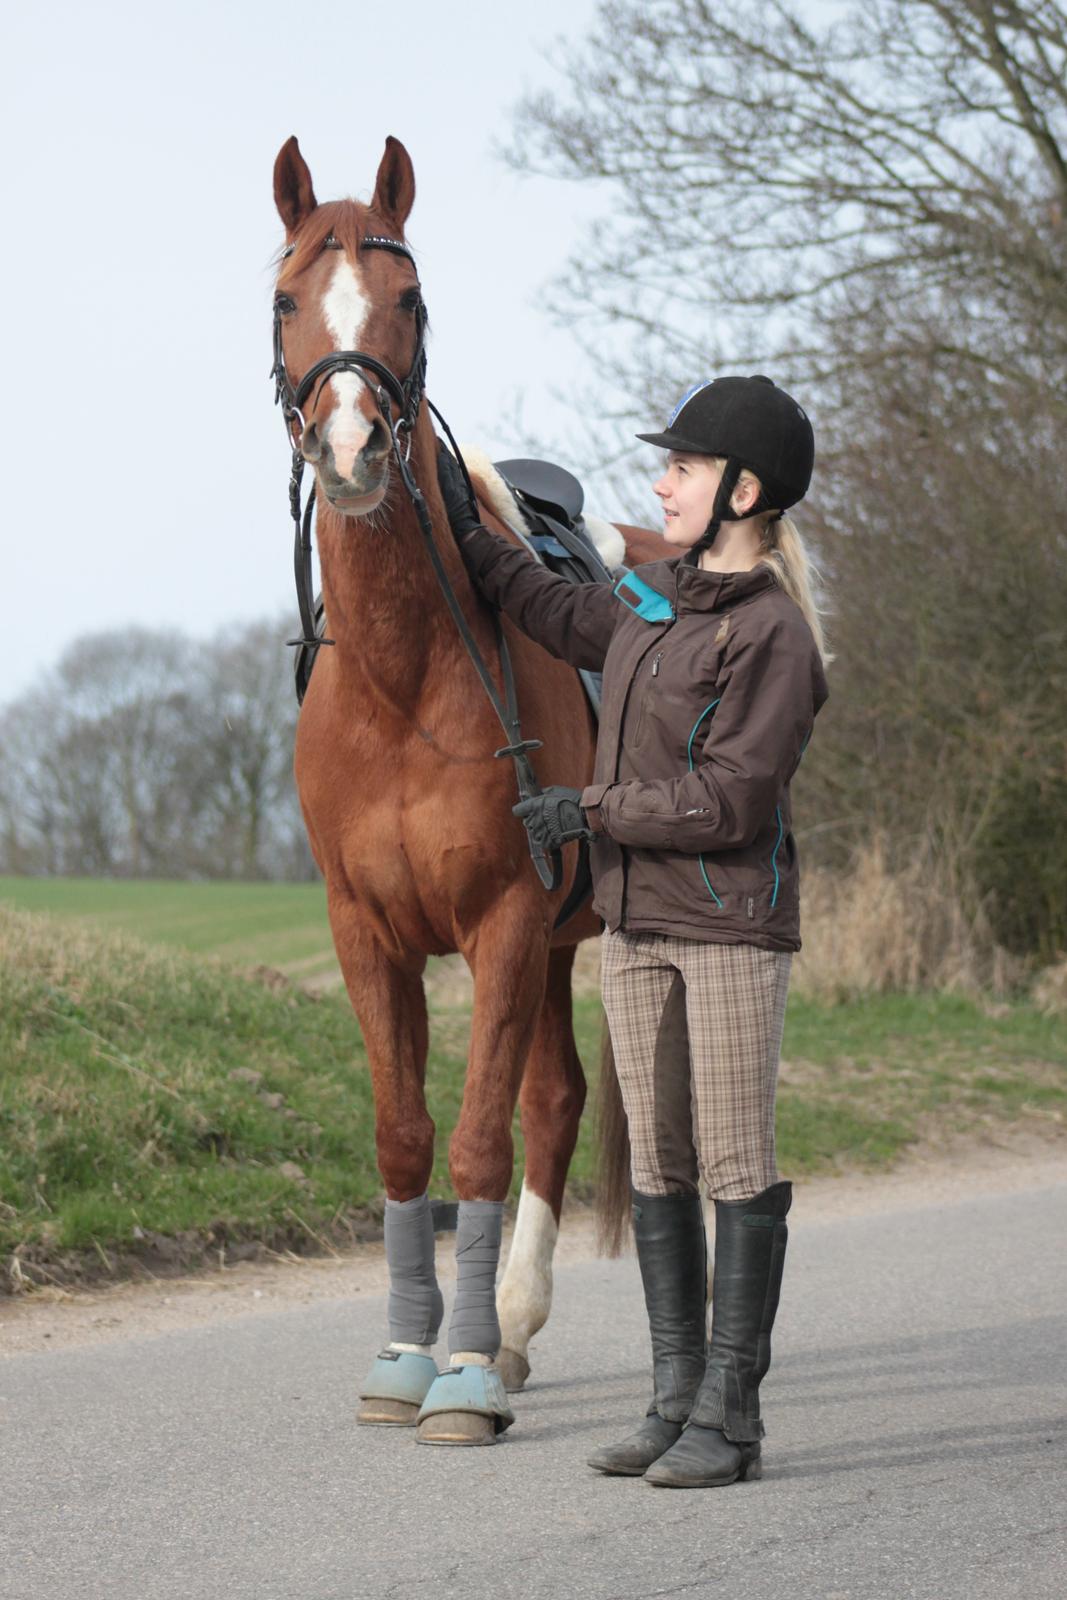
x=690 y=588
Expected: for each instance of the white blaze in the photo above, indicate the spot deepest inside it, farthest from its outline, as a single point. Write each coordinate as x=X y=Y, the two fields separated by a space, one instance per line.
x=345 y=309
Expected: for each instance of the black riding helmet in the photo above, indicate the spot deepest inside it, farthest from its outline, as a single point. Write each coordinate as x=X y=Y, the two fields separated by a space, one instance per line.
x=753 y=424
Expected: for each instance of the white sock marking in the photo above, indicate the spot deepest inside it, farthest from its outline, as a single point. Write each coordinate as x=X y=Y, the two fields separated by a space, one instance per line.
x=524 y=1297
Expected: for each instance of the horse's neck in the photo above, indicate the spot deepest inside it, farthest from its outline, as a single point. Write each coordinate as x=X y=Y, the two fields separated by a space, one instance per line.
x=384 y=608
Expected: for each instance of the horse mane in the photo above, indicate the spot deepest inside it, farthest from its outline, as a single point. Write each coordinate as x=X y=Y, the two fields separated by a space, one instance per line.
x=347 y=221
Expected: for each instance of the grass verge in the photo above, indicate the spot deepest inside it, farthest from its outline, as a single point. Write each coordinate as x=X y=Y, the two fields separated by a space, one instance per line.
x=160 y=1108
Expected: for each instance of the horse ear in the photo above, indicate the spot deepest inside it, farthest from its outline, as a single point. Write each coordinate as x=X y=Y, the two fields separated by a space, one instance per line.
x=293 y=194
x=394 y=189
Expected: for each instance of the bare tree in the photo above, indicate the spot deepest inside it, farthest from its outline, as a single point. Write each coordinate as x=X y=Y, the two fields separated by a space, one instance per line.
x=122 y=703
x=774 y=183
x=248 y=738
x=146 y=754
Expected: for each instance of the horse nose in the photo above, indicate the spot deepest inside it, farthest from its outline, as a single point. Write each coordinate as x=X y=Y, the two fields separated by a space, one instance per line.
x=311 y=444
x=377 y=441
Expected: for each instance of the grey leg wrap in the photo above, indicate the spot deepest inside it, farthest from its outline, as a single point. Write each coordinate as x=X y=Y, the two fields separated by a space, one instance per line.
x=474 y=1327
x=415 y=1304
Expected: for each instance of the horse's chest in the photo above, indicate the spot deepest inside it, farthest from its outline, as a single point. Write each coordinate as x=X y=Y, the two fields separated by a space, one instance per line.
x=398 y=828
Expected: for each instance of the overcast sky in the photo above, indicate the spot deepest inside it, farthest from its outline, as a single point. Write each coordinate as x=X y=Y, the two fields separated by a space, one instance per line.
x=146 y=468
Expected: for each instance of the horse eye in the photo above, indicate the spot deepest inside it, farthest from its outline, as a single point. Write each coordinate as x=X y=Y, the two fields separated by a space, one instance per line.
x=284 y=304
x=410 y=300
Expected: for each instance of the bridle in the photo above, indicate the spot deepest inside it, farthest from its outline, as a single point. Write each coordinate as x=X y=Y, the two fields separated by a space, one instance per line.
x=406 y=396
x=388 y=392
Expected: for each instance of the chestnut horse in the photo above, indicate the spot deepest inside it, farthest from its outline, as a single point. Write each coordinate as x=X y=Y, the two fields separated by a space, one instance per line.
x=409 y=817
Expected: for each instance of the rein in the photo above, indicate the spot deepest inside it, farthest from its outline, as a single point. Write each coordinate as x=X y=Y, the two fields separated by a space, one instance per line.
x=407 y=398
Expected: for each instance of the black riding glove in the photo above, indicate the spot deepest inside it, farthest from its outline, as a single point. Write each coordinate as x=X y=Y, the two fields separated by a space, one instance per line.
x=462 y=511
x=554 y=817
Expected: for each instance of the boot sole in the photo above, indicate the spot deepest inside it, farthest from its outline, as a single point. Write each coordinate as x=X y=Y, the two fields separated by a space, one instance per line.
x=751 y=1471
x=617 y=1472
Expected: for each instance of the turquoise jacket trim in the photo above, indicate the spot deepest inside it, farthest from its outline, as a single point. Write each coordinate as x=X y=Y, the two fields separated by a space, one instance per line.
x=648 y=603
x=774 y=858
x=703 y=870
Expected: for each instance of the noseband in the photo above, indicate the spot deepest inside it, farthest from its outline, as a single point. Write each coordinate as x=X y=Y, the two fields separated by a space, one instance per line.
x=406 y=397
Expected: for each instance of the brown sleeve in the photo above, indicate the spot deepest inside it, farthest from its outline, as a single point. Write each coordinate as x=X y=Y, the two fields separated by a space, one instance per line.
x=771 y=689
x=573 y=621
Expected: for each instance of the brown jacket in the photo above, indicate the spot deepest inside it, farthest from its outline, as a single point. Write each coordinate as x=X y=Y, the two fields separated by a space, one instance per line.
x=712 y=682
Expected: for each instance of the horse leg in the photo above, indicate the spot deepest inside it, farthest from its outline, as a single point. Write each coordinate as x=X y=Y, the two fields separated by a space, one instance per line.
x=550 y=1101
x=390 y=1004
x=468 y=1404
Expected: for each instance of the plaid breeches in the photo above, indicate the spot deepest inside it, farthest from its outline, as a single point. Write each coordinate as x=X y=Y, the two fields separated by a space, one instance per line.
x=696 y=1030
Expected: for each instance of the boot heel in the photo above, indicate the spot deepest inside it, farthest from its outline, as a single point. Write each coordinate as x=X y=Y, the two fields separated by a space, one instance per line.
x=751 y=1465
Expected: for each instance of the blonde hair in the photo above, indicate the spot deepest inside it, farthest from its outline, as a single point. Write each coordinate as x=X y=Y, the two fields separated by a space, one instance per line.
x=783 y=550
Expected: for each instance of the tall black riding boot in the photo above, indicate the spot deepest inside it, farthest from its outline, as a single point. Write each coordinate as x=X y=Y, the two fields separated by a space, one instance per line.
x=671 y=1250
x=721 y=1442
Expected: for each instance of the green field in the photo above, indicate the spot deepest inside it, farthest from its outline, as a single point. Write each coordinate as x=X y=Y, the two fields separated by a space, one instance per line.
x=279 y=925
x=159 y=1103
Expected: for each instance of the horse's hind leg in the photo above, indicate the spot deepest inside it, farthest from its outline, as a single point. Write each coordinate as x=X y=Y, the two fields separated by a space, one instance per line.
x=551 y=1101
x=391 y=1006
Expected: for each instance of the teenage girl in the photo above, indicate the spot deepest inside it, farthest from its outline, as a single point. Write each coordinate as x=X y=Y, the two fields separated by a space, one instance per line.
x=713 y=674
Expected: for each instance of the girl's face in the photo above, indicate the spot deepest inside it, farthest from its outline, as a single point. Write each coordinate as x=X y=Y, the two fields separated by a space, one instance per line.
x=687 y=494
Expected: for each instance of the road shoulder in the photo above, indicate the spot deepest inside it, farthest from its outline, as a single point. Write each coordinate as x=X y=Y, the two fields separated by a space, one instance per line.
x=55 y=1319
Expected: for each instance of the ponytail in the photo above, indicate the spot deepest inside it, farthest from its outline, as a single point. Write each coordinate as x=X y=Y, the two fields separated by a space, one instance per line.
x=782 y=549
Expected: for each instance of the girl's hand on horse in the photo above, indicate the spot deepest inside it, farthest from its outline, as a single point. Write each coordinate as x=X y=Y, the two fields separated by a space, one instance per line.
x=462 y=510
x=554 y=817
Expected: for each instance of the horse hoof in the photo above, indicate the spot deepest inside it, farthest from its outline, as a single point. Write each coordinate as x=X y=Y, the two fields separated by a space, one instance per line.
x=396 y=1386
x=466 y=1405
x=456 y=1427
x=514 y=1369
x=387 y=1414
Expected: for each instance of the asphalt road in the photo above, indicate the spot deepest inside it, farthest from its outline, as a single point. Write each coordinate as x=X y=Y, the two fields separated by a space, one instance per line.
x=917 y=1439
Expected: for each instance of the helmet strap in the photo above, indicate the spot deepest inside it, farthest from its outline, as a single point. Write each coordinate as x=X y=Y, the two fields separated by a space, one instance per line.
x=721 y=510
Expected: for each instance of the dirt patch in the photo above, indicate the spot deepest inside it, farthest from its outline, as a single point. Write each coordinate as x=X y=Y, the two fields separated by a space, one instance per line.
x=52 y=1318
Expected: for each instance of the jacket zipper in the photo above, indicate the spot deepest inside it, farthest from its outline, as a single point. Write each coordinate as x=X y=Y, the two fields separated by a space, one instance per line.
x=618 y=752
x=639 y=730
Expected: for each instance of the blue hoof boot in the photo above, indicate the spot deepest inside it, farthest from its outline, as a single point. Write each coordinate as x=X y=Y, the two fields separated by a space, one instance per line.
x=396 y=1386
x=467 y=1405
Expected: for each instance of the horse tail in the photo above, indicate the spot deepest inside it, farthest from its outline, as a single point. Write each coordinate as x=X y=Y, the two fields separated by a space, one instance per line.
x=613 y=1155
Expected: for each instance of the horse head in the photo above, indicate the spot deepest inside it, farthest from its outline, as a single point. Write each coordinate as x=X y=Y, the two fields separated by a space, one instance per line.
x=349 y=327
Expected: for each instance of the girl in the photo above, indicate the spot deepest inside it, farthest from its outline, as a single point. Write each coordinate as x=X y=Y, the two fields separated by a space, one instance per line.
x=713 y=675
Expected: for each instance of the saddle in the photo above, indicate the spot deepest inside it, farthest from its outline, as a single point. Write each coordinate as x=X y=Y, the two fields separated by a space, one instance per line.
x=551 y=499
